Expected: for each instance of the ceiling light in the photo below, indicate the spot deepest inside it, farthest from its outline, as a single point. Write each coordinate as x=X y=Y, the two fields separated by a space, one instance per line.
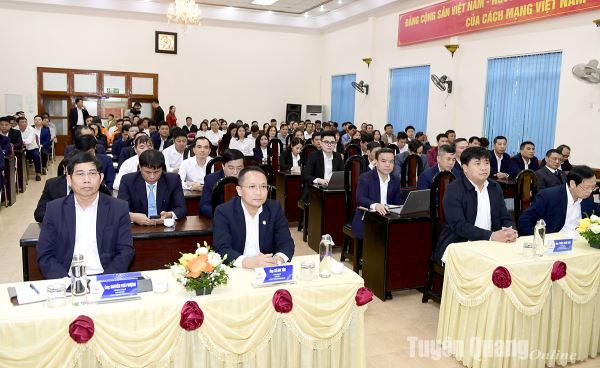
x=340 y=2
x=322 y=8
x=305 y=14
x=184 y=12
x=264 y=2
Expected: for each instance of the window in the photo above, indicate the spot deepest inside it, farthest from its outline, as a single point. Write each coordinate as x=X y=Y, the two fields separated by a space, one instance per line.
x=521 y=100
x=342 y=98
x=409 y=97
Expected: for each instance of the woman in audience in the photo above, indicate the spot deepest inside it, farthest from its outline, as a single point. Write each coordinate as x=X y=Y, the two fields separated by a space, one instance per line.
x=377 y=138
x=290 y=157
x=271 y=132
x=228 y=137
x=339 y=147
x=299 y=133
x=203 y=129
x=266 y=127
x=245 y=145
x=262 y=149
x=101 y=138
x=171 y=118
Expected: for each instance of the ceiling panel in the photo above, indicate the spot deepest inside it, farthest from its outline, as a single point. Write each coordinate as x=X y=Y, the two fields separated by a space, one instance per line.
x=313 y=7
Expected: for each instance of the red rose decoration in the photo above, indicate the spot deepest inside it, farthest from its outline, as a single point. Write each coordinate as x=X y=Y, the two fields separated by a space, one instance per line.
x=81 y=329
x=191 y=316
x=363 y=296
x=559 y=270
x=501 y=277
x=282 y=301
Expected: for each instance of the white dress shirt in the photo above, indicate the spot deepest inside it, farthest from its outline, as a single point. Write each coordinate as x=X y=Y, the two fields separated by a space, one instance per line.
x=295 y=160
x=128 y=166
x=80 y=120
x=328 y=166
x=29 y=137
x=573 y=212
x=403 y=149
x=191 y=171
x=173 y=159
x=161 y=147
x=85 y=236
x=246 y=146
x=383 y=190
x=252 y=246
x=499 y=160
x=526 y=163
x=484 y=212
x=307 y=135
x=265 y=152
x=213 y=137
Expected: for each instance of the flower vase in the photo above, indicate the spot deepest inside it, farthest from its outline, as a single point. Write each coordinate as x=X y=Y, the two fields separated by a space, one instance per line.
x=204 y=291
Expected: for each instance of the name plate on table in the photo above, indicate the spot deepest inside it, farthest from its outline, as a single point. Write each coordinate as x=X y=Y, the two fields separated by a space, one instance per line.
x=117 y=285
x=274 y=275
x=562 y=245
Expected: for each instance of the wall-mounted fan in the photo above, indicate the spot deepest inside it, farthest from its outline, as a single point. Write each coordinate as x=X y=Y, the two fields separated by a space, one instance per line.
x=442 y=82
x=361 y=87
x=587 y=72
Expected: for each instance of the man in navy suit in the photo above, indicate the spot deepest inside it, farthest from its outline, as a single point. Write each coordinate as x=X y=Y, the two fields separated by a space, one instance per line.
x=87 y=143
x=445 y=162
x=562 y=206
x=152 y=193
x=78 y=114
x=550 y=174
x=251 y=229
x=161 y=140
x=525 y=159
x=321 y=164
x=369 y=189
x=501 y=166
x=474 y=206
x=85 y=222
x=233 y=163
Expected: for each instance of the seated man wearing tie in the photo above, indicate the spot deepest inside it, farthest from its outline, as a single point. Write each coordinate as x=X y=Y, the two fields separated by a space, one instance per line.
x=474 y=206
x=501 y=166
x=321 y=165
x=562 y=206
x=233 y=163
x=550 y=175
x=446 y=161
x=152 y=193
x=376 y=189
x=85 y=222
x=141 y=143
x=251 y=229
x=525 y=159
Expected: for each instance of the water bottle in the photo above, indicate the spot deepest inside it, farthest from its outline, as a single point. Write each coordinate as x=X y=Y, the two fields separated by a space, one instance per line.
x=79 y=287
x=325 y=253
x=539 y=237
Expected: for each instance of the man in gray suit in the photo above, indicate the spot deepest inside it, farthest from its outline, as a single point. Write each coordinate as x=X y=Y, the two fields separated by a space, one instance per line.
x=551 y=175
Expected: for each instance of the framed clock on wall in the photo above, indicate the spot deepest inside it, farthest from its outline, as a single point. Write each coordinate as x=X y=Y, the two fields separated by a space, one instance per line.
x=165 y=42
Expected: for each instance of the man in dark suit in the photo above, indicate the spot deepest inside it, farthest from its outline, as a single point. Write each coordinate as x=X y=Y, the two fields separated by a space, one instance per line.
x=565 y=151
x=85 y=222
x=446 y=160
x=550 y=174
x=189 y=127
x=501 y=166
x=152 y=193
x=251 y=230
x=159 y=113
x=87 y=143
x=368 y=192
x=562 y=206
x=78 y=114
x=321 y=165
x=474 y=206
x=13 y=135
x=233 y=163
x=83 y=130
x=161 y=140
x=525 y=159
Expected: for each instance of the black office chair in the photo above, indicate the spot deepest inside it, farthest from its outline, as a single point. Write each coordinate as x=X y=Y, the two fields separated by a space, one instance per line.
x=214 y=165
x=436 y=196
x=224 y=190
x=353 y=168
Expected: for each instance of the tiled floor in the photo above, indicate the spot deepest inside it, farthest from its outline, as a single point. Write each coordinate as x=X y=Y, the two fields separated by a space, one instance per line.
x=388 y=324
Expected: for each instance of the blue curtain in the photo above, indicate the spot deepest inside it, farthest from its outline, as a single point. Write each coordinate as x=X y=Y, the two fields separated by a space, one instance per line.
x=409 y=98
x=521 y=100
x=342 y=98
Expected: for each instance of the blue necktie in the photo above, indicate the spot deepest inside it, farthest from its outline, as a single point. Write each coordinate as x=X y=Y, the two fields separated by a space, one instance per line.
x=151 y=201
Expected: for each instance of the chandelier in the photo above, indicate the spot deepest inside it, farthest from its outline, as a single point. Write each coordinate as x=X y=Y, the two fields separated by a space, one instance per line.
x=184 y=12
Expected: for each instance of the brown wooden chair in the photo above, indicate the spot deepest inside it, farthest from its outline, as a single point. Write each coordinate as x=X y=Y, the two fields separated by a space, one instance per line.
x=353 y=168
x=355 y=141
x=352 y=150
x=412 y=167
x=250 y=161
x=436 y=210
x=306 y=152
x=225 y=189
x=525 y=191
x=276 y=150
x=214 y=165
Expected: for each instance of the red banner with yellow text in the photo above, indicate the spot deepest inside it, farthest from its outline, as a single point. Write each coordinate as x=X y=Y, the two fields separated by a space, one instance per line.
x=454 y=17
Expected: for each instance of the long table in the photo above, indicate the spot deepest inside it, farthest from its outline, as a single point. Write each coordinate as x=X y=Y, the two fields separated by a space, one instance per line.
x=240 y=327
x=325 y=215
x=502 y=309
x=155 y=246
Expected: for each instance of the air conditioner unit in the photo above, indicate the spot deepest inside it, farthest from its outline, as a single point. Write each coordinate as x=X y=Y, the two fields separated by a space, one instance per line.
x=314 y=112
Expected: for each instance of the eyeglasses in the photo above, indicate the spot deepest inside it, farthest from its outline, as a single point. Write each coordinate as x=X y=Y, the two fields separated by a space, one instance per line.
x=329 y=143
x=254 y=187
x=83 y=174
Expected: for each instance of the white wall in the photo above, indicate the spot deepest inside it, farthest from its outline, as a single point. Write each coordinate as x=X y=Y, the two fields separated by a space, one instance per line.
x=578 y=115
x=234 y=73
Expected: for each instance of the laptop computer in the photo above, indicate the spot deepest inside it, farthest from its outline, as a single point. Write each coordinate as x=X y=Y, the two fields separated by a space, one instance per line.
x=336 y=181
x=417 y=201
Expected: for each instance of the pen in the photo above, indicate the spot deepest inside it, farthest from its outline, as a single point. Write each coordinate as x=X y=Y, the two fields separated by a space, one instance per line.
x=34 y=289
